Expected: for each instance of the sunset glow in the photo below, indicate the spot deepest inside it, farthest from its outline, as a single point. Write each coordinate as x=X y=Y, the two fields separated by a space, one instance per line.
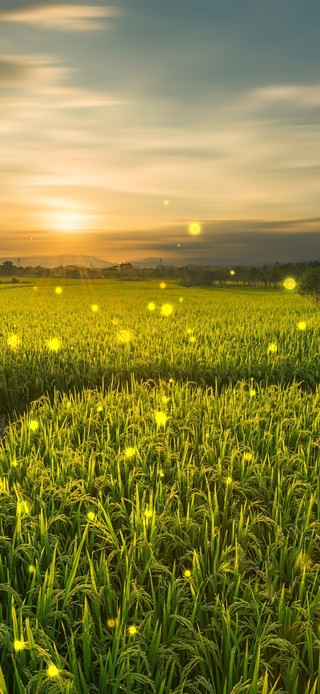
x=131 y=132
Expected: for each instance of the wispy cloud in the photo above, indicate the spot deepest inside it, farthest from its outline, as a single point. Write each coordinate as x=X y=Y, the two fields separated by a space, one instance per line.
x=298 y=95
x=63 y=17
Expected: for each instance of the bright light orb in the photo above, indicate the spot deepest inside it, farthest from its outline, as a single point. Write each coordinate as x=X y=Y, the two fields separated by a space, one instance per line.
x=166 y=309
x=194 y=229
x=130 y=452
x=33 y=425
x=289 y=283
x=54 y=344
x=301 y=325
x=52 y=671
x=111 y=622
x=161 y=418
x=162 y=285
x=232 y=272
x=58 y=290
x=166 y=203
x=272 y=347
x=132 y=630
x=94 y=308
x=187 y=573
x=13 y=341
x=90 y=515
x=19 y=645
x=151 y=306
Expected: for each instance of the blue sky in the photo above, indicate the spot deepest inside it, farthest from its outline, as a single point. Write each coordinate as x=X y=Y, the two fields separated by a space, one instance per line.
x=108 y=110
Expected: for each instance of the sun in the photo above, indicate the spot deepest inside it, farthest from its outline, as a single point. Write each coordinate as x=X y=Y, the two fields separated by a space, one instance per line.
x=68 y=221
x=194 y=228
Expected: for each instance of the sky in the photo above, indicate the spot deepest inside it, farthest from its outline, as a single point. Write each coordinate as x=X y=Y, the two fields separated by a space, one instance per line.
x=122 y=124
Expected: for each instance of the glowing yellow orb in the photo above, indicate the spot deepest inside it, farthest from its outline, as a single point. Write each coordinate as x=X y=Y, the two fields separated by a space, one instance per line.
x=289 y=283
x=166 y=203
x=132 y=630
x=35 y=288
x=54 y=344
x=161 y=418
x=194 y=229
x=52 y=671
x=192 y=338
x=166 y=309
x=19 y=645
x=111 y=622
x=13 y=341
x=187 y=573
x=151 y=306
x=162 y=285
x=33 y=425
x=58 y=290
x=91 y=516
x=180 y=299
x=232 y=272
x=130 y=452
x=94 y=308
x=302 y=325
x=272 y=347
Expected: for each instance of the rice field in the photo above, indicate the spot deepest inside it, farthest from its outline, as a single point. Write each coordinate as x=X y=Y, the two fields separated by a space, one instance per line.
x=159 y=490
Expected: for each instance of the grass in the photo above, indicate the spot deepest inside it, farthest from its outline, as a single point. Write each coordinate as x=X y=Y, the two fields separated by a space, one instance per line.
x=159 y=532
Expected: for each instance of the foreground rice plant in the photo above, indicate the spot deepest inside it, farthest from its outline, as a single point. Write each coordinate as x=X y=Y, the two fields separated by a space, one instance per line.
x=159 y=491
x=179 y=554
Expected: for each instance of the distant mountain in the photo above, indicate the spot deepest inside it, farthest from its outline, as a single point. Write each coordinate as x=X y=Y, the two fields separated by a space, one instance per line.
x=51 y=261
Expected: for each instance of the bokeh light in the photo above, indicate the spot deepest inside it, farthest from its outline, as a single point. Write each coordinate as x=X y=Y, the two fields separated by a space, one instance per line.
x=289 y=283
x=166 y=309
x=54 y=345
x=194 y=228
x=161 y=418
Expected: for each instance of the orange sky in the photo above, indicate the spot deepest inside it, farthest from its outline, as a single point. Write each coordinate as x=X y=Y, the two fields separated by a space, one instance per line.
x=122 y=125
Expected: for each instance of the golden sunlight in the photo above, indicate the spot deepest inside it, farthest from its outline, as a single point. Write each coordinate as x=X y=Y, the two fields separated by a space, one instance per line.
x=68 y=221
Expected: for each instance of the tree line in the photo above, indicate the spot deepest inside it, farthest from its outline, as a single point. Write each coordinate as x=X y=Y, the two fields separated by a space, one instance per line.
x=267 y=276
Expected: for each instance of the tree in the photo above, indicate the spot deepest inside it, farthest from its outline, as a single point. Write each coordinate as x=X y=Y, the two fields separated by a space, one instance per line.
x=309 y=284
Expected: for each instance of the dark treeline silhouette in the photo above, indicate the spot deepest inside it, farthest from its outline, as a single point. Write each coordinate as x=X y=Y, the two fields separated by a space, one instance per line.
x=268 y=276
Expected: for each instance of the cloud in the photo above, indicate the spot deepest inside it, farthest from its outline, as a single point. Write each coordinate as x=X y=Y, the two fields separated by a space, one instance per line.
x=13 y=71
x=297 y=95
x=62 y=17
